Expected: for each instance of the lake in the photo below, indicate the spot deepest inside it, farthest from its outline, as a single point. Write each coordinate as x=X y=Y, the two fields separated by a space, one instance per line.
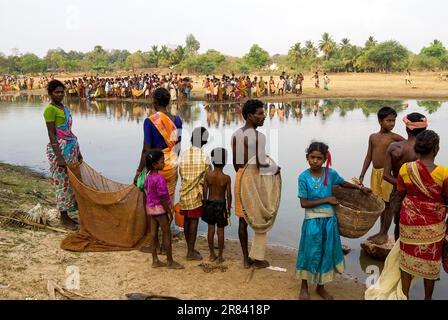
x=111 y=137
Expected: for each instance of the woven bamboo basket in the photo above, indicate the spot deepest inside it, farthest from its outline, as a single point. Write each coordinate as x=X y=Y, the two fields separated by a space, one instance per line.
x=357 y=212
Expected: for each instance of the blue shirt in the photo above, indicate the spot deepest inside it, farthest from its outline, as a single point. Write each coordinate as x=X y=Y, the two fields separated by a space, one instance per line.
x=152 y=135
x=307 y=185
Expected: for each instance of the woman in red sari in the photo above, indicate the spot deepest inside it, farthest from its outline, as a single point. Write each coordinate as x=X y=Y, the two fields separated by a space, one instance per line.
x=424 y=186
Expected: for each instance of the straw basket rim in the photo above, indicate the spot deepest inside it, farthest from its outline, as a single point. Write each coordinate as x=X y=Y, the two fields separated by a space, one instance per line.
x=355 y=223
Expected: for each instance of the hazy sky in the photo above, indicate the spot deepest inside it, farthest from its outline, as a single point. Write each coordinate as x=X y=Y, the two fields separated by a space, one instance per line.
x=230 y=26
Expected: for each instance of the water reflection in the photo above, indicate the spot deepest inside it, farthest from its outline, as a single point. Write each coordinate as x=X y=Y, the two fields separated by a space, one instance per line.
x=228 y=113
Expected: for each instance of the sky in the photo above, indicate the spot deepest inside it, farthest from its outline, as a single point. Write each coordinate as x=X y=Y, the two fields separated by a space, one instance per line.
x=229 y=26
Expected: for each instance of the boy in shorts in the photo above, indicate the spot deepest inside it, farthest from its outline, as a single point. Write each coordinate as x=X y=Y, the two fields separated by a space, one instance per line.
x=217 y=205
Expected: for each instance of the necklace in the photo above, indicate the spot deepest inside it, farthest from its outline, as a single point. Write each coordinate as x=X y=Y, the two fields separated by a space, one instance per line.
x=315 y=181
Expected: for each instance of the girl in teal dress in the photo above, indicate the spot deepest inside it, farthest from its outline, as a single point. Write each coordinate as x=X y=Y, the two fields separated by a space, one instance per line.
x=320 y=250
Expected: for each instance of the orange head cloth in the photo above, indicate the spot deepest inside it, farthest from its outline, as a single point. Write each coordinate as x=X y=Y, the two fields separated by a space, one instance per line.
x=422 y=124
x=329 y=163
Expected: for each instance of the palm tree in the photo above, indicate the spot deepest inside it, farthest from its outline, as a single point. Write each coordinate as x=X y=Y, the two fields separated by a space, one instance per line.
x=345 y=44
x=296 y=53
x=178 y=55
x=155 y=55
x=310 y=49
x=164 y=52
x=327 y=45
x=371 y=42
x=435 y=43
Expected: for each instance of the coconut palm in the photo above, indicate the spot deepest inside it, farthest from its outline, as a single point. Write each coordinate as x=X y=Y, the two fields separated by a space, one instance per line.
x=154 y=55
x=371 y=42
x=345 y=44
x=295 y=53
x=327 y=45
x=310 y=50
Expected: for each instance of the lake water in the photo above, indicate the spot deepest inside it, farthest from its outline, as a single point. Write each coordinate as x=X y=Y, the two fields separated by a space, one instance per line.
x=111 y=137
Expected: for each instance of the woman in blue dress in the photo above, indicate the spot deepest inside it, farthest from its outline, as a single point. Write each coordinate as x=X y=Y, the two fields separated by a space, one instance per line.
x=320 y=250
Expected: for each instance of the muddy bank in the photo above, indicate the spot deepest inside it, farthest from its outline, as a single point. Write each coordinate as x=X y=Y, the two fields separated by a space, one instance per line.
x=30 y=258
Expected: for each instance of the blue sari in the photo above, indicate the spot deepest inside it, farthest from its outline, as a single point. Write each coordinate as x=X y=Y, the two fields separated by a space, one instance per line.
x=320 y=249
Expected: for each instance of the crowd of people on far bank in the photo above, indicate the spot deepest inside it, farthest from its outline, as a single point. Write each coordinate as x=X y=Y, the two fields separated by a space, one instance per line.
x=235 y=88
x=226 y=88
x=416 y=194
x=13 y=83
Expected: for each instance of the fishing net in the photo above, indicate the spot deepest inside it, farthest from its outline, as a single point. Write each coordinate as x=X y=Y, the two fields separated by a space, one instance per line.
x=112 y=215
x=260 y=193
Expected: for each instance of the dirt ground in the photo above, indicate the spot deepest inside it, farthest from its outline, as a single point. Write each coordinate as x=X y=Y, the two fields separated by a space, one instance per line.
x=30 y=258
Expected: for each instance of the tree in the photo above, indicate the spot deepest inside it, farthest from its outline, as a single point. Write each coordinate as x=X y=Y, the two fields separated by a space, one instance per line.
x=295 y=53
x=345 y=44
x=388 y=54
x=3 y=63
x=310 y=50
x=154 y=56
x=435 y=49
x=30 y=63
x=327 y=45
x=117 y=58
x=178 y=55
x=203 y=63
x=191 y=45
x=97 y=59
x=370 y=43
x=135 y=61
x=257 y=57
x=55 y=59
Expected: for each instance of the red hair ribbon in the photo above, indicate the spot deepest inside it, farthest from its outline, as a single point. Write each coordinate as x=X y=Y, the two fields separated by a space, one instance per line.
x=329 y=163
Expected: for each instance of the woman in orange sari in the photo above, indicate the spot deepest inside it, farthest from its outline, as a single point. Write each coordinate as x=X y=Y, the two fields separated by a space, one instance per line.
x=424 y=186
x=162 y=131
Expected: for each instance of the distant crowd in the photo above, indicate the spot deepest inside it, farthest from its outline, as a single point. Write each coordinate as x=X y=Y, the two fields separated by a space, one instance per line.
x=225 y=88
x=12 y=83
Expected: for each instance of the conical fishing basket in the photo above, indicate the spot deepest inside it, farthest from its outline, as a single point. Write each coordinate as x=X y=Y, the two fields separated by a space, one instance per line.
x=357 y=212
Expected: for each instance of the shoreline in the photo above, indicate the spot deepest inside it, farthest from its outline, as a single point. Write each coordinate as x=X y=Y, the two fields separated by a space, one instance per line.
x=333 y=95
x=122 y=272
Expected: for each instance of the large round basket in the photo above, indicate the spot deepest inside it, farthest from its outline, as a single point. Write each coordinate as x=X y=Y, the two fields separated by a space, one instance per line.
x=356 y=212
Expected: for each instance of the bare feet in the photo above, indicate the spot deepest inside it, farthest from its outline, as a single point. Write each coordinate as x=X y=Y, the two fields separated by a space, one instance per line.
x=158 y=264
x=379 y=238
x=221 y=260
x=304 y=295
x=212 y=257
x=68 y=223
x=248 y=263
x=260 y=264
x=175 y=265
x=320 y=290
x=147 y=248
x=195 y=256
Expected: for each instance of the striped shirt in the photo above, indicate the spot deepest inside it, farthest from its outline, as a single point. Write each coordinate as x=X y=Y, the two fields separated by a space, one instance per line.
x=192 y=166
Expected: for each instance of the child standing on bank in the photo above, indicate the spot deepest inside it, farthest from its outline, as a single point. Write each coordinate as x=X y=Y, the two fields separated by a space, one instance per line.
x=217 y=206
x=320 y=250
x=379 y=142
x=158 y=208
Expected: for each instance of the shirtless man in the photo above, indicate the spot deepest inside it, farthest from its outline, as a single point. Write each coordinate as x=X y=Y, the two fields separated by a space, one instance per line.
x=398 y=154
x=248 y=142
